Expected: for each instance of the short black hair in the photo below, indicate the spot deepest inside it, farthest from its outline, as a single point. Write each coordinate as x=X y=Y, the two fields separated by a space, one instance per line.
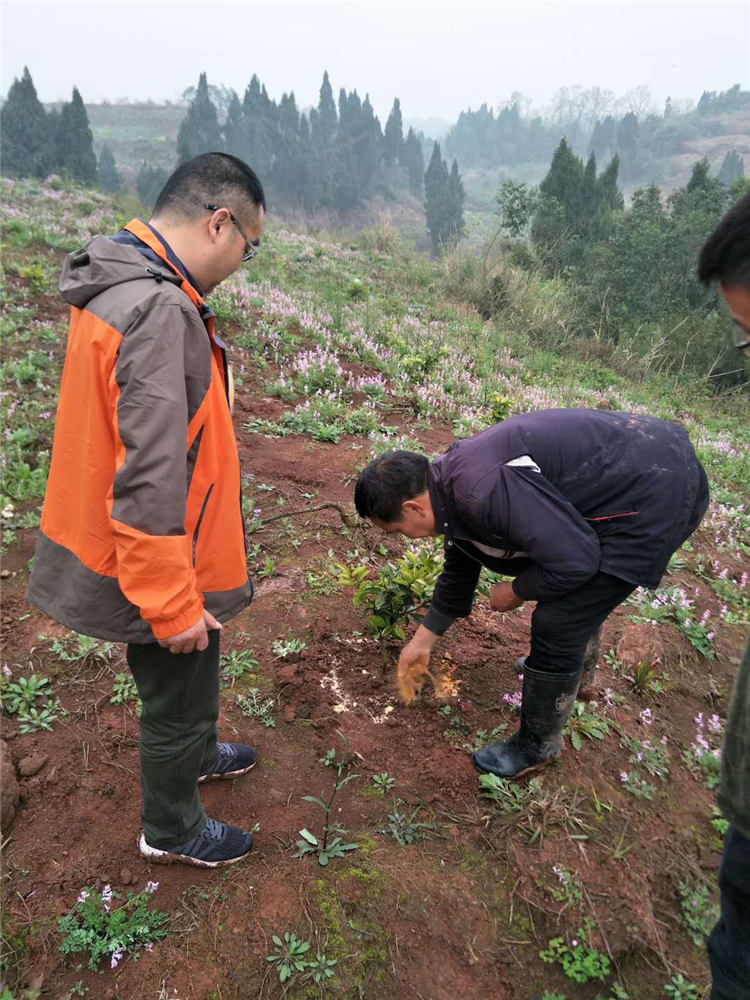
x=387 y=481
x=725 y=256
x=211 y=178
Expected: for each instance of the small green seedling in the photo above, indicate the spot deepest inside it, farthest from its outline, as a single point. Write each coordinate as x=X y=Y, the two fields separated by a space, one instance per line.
x=255 y=706
x=283 y=648
x=678 y=988
x=235 y=664
x=580 y=962
x=124 y=690
x=289 y=955
x=382 y=783
x=326 y=848
x=507 y=795
x=405 y=828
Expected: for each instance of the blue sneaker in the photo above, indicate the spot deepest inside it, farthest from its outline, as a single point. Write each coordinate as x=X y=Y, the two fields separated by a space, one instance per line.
x=232 y=760
x=216 y=845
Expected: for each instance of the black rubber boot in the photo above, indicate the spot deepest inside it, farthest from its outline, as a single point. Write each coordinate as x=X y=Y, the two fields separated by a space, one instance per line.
x=548 y=700
x=590 y=663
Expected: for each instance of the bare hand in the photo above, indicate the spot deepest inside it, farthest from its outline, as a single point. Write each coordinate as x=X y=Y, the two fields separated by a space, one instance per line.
x=190 y=639
x=413 y=664
x=504 y=598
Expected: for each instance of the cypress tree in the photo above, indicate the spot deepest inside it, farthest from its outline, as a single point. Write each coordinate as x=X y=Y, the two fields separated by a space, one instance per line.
x=346 y=191
x=457 y=196
x=199 y=131
x=414 y=163
x=327 y=119
x=437 y=199
x=25 y=136
x=393 y=144
x=732 y=168
x=371 y=147
x=256 y=140
x=109 y=176
x=234 y=129
x=564 y=181
x=321 y=166
x=628 y=137
x=288 y=164
x=608 y=192
x=589 y=194
x=75 y=143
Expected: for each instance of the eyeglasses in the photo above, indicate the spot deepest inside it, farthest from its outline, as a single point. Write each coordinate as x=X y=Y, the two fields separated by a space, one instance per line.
x=251 y=248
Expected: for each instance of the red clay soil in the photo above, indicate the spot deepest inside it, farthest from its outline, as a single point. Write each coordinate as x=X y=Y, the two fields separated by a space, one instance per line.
x=462 y=913
x=465 y=912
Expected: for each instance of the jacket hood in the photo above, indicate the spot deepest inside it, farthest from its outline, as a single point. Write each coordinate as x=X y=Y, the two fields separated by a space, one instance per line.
x=103 y=264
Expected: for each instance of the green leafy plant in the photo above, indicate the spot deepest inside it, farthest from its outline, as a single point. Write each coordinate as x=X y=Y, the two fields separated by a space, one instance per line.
x=646 y=678
x=637 y=786
x=585 y=722
x=405 y=827
x=124 y=690
x=321 y=969
x=289 y=955
x=672 y=605
x=720 y=825
x=507 y=795
x=235 y=664
x=74 y=647
x=98 y=927
x=284 y=648
x=699 y=912
x=580 y=962
x=268 y=568
x=35 y=719
x=678 y=988
x=21 y=695
x=21 y=698
x=382 y=783
x=652 y=757
x=254 y=705
x=393 y=594
x=569 y=889
x=326 y=847
x=483 y=737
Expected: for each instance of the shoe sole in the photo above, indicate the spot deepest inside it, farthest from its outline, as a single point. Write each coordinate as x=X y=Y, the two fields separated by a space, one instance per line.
x=170 y=858
x=518 y=774
x=228 y=776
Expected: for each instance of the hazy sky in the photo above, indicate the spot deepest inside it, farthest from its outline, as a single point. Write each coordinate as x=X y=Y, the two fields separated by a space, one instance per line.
x=436 y=57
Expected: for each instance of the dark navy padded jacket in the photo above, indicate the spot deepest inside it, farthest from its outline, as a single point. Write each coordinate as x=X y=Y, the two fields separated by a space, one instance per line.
x=588 y=491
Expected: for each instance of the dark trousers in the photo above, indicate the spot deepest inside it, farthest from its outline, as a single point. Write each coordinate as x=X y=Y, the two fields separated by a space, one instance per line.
x=729 y=943
x=561 y=628
x=180 y=695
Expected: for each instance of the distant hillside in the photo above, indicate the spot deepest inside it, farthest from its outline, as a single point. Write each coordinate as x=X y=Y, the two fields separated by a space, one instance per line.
x=136 y=132
x=735 y=135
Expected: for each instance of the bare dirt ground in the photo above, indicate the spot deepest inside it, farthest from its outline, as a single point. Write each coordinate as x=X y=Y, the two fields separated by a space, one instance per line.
x=464 y=912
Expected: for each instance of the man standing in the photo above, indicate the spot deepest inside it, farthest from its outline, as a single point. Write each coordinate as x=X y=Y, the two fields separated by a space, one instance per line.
x=581 y=506
x=141 y=535
x=725 y=258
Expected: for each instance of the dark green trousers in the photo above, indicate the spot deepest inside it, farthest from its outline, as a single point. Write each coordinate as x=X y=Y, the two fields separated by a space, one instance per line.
x=180 y=695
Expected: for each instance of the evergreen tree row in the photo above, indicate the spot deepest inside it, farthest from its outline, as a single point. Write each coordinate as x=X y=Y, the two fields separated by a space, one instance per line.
x=484 y=138
x=443 y=202
x=36 y=143
x=334 y=156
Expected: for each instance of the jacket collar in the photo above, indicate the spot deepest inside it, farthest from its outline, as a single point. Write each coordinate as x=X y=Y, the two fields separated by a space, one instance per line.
x=146 y=234
x=443 y=514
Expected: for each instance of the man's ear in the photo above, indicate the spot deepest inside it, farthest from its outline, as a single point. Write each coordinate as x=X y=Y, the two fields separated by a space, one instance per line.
x=412 y=506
